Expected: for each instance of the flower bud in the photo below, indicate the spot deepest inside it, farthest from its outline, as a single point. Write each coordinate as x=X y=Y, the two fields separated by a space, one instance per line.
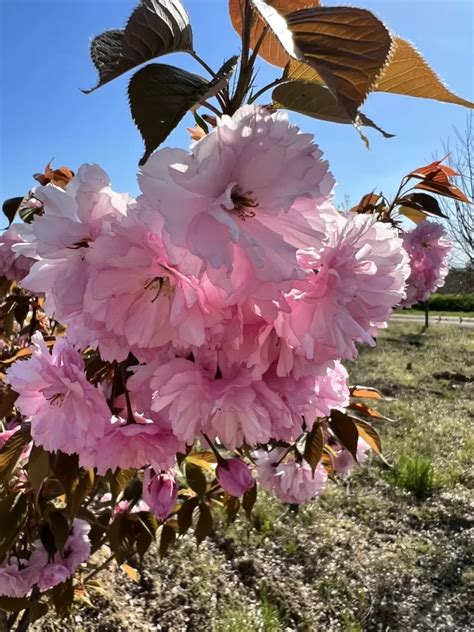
x=234 y=477
x=160 y=492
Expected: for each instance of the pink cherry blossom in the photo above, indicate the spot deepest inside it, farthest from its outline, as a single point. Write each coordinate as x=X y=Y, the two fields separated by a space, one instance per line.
x=234 y=476
x=48 y=573
x=136 y=293
x=291 y=481
x=71 y=220
x=13 y=265
x=15 y=580
x=343 y=460
x=160 y=492
x=241 y=184
x=352 y=285
x=429 y=248
x=67 y=412
x=131 y=445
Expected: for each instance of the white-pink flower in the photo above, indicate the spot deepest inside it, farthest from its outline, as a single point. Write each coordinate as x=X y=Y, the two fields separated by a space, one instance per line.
x=135 y=293
x=233 y=201
x=291 y=481
x=15 y=580
x=67 y=412
x=429 y=248
x=343 y=460
x=13 y=264
x=352 y=285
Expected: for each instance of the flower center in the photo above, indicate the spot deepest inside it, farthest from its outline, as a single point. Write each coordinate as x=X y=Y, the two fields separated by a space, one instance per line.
x=243 y=203
x=161 y=285
x=56 y=400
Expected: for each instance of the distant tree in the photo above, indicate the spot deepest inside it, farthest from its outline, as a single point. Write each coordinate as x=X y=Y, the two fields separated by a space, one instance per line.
x=460 y=152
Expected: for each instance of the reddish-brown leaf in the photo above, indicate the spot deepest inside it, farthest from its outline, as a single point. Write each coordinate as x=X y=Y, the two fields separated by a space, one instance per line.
x=365 y=391
x=422 y=202
x=345 y=429
x=365 y=410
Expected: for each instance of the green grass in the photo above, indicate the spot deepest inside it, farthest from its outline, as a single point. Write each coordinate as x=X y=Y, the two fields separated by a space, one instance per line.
x=434 y=313
x=414 y=474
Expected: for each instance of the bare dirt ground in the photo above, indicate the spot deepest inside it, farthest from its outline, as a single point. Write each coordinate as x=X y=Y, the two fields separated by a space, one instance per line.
x=384 y=550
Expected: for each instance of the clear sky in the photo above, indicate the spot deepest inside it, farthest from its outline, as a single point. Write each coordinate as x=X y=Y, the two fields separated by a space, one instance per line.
x=44 y=62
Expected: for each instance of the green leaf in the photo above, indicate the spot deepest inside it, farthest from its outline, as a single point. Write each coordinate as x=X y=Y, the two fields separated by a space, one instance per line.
x=204 y=523
x=315 y=100
x=313 y=449
x=196 y=479
x=10 y=208
x=38 y=468
x=345 y=430
x=185 y=514
x=167 y=539
x=156 y=27
x=422 y=202
x=249 y=499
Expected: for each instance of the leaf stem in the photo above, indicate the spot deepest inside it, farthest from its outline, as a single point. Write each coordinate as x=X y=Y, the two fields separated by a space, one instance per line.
x=203 y=63
x=254 y=97
x=99 y=568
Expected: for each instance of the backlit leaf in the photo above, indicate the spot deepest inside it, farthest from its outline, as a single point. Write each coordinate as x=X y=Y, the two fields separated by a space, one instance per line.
x=156 y=27
x=313 y=449
x=365 y=391
x=408 y=73
x=370 y=436
x=365 y=410
x=345 y=430
x=204 y=523
x=318 y=102
x=196 y=479
x=427 y=204
x=131 y=572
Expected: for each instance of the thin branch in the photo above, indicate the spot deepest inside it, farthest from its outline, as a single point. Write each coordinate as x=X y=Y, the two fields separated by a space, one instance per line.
x=270 y=85
x=203 y=64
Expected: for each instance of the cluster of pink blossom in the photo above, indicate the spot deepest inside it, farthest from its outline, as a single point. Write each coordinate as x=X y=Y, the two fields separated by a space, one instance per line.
x=18 y=576
x=236 y=286
x=428 y=247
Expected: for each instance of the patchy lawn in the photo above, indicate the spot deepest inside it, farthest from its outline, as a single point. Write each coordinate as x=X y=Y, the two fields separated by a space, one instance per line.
x=387 y=549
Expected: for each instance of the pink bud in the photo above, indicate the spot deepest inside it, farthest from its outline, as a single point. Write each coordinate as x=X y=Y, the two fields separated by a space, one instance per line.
x=234 y=477
x=160 y=492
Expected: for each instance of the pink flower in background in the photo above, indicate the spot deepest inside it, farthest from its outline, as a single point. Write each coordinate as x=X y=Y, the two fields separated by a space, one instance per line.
x=239 y=184
x=355 y=282
x=234 y=476
x=290 y=481
x=160 y=492
x=344 y=462
x=48 y=573
x=67 y=412
x=15 y=580
x=13 y=265
x=429 y=248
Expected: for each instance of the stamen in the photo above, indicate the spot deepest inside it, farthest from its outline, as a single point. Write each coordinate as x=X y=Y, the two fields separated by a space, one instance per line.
x=243 y=202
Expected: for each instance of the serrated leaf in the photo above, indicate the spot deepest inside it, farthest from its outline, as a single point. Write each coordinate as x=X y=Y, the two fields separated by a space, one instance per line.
x=10 y=208
x=347 y=47
x=345 y=430
x=411 y=213
x=249 y=499
x=313 y=449
x=185 y=514
x=366 y=410
x=160 y=95
x=409 y=74
x=156 y=27
x=203 y=524
x=421 y=202
x=370 y=436
x=196 y=479
x=318 y=102
x=168 y=537
x=205 y=460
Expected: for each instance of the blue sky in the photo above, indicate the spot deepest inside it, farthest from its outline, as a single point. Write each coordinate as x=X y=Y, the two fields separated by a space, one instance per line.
x=44 y=62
